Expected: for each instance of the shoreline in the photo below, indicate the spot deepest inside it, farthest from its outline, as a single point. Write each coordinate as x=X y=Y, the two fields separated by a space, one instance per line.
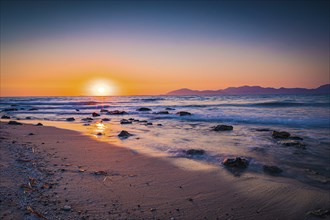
x=62 y=163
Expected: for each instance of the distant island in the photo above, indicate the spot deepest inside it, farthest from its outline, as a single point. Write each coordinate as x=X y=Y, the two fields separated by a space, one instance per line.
x=253 y=90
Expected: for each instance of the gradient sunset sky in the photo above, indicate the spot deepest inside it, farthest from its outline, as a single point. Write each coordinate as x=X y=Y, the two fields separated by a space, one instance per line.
x=152 y=47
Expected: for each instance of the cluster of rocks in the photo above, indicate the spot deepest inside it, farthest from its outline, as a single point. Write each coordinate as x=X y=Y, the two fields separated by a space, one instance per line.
x=284 y=138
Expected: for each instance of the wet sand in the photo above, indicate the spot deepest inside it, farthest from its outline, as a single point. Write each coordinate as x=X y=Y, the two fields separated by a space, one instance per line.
x=52 y=173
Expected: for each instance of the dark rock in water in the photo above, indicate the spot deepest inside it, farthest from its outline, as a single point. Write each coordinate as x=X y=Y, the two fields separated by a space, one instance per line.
x=116 y=112
x=105 y=119
x=183 y=113
x=77 y=110
x=272 y=169
x=149 y=123
x=94 y=114
x=87 y=119
x=293 y=143
x=28 y=118
x=296 y=138
x=70 y=119
x=104 y=110
x=9 y=109
x=223 y=128
x=124 y=134
x=159 y=125
x=14 y=123
x=162 y=113
x=99 y=134
x=39 y=124
x=236 y=162
x=143 y=109
x=131 y=119
x=33 y=109
x=262 y=129
x=31 y=134
x=281 y=134
x=125 y=121
x=5 y=117
x=86 y=124
x=169 y=109
x=143 y=121
x=193 y=152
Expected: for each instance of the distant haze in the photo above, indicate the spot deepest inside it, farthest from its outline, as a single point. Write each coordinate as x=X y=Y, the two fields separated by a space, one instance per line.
x=152 y=47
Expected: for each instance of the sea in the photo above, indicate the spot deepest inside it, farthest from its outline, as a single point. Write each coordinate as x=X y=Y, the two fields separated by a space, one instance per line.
x=253 y=117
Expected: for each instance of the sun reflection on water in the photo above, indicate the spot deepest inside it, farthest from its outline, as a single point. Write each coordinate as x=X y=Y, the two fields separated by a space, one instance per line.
x=100 y=128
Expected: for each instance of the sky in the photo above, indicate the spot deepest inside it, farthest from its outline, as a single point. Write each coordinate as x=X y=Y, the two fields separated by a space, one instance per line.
x=60 y=48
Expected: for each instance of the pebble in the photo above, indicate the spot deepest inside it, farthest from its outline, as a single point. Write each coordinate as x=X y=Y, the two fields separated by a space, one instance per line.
x=66 y=208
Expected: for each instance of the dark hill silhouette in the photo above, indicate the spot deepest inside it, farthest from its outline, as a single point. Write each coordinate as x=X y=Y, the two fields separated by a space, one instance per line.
x=250 y=90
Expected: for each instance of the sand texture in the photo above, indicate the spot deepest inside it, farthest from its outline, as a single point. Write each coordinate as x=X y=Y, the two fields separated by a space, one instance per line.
x=51 y=173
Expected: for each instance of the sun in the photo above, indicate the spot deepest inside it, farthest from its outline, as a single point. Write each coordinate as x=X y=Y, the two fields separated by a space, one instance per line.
x=101 y=87
x=101 y=90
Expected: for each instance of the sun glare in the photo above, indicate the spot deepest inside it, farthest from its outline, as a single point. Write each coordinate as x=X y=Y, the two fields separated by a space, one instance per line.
x=101 y=88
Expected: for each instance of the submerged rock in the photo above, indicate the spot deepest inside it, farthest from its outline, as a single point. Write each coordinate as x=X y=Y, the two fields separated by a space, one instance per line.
x=124 y=134
x=70 y=119
x=162 y=113
x=223 y=128
x=194 y=152
x=87 y=119
x=14 y=123
x=183 y=113
x=262 y=129
x=169 y=109
x=149 y=123
x=116 y=112
x=272 y=169
x=125 y=121
x=103 y=110
x=33 y=109
x=94 y=114
x=39 y=124
x=143 y=109
x=28 y=118
x=236 y=162
x=5 y=117
x=293 y=143
x=105 y=119
x=281 y=134
x=296 y=138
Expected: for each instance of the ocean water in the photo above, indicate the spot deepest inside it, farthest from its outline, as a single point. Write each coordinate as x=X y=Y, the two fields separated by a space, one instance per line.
x=305 y=116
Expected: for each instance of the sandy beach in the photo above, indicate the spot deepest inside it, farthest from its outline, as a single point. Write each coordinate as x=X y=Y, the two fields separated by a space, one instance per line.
x=52 y=173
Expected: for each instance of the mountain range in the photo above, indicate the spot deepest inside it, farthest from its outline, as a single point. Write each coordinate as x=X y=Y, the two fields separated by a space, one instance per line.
x=253 y=90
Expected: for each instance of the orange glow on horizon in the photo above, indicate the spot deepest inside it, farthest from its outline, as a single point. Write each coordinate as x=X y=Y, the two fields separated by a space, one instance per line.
x=148 y=68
